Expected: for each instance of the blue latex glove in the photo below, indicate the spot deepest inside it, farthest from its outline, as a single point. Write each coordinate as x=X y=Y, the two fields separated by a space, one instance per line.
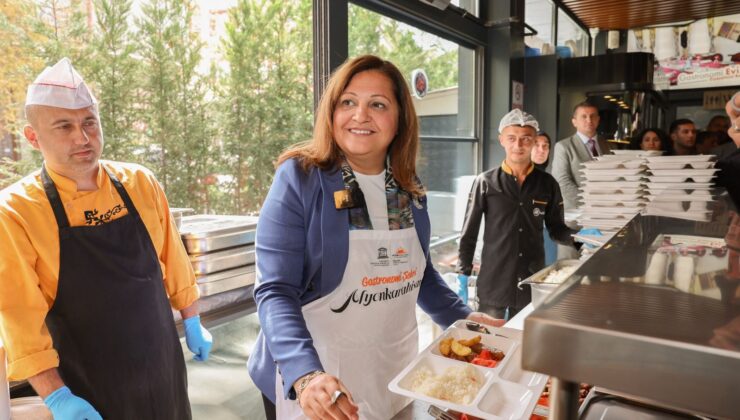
x=590 y=232
x=198 y=338
x=64 y=405
x=462 y=287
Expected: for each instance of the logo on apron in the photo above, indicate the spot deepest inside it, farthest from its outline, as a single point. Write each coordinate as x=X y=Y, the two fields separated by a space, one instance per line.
x=537 y=212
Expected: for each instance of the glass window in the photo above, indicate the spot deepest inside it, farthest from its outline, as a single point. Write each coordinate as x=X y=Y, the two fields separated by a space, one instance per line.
x=471 y=6
x=185 y=88
x=538 y=14
x=572 y=39
x=446 y=112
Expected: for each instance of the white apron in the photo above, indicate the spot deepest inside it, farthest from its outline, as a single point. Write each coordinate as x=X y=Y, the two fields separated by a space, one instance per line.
x=365 y=331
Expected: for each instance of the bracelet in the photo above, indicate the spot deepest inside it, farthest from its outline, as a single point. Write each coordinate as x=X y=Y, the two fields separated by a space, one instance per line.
x=303 y=383
x=732 y=102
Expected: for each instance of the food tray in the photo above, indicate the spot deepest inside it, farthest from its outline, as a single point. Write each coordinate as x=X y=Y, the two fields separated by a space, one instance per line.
x=611 y=197
x=680 y=206
x=679 y=185
x=590 y=184
x=206 y=233
x=507 y=391
x=614 y=164
x=680 y=165
x=637 y=153
x=621 y=172
x=222 y=260
x=595 y=189
x=685 y=159
x=673 y=195
x=615 y=202
x=683 y=172
x=608 y=177
x=698 y=216
x=680 y=178
x=223 y=281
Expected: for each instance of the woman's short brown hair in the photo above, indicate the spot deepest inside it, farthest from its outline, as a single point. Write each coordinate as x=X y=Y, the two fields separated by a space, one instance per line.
x=322 y=150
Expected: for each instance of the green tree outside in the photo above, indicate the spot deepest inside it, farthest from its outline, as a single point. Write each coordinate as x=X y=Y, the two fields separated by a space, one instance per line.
x=211 y=136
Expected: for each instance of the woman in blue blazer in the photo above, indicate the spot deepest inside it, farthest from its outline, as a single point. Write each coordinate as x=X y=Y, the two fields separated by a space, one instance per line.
x=343 y=255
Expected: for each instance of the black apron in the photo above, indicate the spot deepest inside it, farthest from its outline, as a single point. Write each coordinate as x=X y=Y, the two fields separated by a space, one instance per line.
x=111 y=321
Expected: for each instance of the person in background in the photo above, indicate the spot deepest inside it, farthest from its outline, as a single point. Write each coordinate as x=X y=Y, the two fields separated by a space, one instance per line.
x=706 y=141
x=541 y=158
x=91 y=265
x=719 y=124
x=649 y=139
x=541 y=150
x=515 y=199
x=683 y=137
x=568 y=155
x=343 y=256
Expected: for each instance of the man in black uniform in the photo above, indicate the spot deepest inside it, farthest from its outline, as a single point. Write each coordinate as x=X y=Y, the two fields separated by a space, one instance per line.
x=515 y=199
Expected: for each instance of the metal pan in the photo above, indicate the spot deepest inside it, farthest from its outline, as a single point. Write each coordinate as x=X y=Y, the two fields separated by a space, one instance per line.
x=207 y=233
x=223 y=281
x=540 y=290
x=222 y=260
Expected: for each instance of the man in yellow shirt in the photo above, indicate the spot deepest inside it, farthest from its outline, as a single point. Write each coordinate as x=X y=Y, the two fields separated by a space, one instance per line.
x=91 y=264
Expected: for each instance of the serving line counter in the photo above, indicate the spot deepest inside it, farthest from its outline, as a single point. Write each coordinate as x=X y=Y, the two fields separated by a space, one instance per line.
x=654 y=315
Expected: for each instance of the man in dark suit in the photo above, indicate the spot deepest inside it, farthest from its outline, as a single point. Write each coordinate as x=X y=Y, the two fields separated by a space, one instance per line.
x=570 y=152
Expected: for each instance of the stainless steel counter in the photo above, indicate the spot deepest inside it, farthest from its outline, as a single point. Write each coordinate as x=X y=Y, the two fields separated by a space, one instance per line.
x=649 y=317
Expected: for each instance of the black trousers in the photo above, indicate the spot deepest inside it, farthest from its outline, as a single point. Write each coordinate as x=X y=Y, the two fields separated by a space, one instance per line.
x=269 y=408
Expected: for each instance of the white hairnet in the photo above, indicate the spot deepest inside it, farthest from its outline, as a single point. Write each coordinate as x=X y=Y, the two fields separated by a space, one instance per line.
x=60 y=86
x=518 y=117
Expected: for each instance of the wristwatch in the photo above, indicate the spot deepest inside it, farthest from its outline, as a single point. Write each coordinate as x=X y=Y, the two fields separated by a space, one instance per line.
x=302 y=383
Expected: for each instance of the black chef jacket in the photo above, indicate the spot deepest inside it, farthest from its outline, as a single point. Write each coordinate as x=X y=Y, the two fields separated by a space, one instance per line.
x=513 y=246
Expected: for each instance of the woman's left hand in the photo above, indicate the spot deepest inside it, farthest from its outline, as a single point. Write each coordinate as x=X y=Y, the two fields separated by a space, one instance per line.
x=482 y=318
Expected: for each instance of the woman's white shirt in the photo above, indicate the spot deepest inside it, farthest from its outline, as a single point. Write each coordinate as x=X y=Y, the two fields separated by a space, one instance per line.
x=373 y=188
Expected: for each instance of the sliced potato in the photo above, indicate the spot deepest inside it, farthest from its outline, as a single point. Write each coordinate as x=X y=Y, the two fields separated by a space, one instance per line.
x=444 y=346
x=460 y=349
x=471 y=341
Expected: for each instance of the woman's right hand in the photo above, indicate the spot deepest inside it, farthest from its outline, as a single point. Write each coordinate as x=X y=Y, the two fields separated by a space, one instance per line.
x=316 y=400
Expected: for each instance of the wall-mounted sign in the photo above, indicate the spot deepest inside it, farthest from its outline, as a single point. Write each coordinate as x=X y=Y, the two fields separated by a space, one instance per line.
x=420 y=83
x=517 y=95
x=717 y=99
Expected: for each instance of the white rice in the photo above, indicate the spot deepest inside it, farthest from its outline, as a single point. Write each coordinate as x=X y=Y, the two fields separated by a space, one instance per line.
x=459 y=385
x=559 y=276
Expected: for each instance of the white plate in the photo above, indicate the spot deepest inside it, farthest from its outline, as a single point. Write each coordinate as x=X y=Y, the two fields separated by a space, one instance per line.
x=507 y=392
x=681 y=165
x=679 y=178
x=674 y=159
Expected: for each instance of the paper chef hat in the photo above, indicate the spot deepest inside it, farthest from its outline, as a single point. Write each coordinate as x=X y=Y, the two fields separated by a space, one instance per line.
x=60 y=86
x=518 y=117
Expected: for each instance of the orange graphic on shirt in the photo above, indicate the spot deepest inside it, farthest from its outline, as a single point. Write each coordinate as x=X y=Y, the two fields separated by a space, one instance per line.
x=400 y=251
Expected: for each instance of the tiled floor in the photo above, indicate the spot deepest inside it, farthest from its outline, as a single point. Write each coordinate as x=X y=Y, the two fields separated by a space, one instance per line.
x=220 y=389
